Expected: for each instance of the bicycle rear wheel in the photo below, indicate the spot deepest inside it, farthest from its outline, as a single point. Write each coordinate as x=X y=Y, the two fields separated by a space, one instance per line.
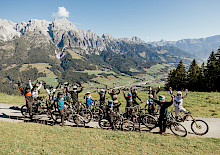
x=149 y=121
x=199 y=127
x=178 y=129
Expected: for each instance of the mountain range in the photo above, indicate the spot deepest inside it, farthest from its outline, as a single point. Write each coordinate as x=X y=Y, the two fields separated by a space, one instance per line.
x=66 y=51
x=62 y=35
x=200 y=47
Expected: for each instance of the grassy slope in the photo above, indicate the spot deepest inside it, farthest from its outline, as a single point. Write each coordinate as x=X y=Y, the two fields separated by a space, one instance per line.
x=28 y=138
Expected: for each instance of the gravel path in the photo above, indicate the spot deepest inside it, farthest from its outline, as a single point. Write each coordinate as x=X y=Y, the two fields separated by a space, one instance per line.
x=11 y=113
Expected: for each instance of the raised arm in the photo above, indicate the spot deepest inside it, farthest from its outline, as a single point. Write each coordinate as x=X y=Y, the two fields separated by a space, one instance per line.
x=19 y=86
x=66 y=95
x=118 y=91
x=39 y=85
x=30 y=84
x=81 y=89
x=171 y=93
x=185 y=94
x=57 y=86
x=158 y=90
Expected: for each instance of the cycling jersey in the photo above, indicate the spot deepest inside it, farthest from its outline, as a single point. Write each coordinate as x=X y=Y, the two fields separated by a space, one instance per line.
x=60 y=101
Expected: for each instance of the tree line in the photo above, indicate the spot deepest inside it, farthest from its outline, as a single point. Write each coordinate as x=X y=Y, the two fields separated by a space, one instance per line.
x=203 y=78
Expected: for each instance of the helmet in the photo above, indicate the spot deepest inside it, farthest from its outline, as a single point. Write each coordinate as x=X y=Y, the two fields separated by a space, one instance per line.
x=51 y=87
x=27 y=87
x=113 y=90
x=75 y=87
x=110 y=102
x=154 y=90
x=129 y=95
x=60 y=93
x=66 y=83
x=179 y=93
x=102 y=90
x=161 y=97
x=88 y=92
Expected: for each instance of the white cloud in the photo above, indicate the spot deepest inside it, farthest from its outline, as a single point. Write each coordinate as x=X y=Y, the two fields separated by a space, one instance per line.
x=62 y=12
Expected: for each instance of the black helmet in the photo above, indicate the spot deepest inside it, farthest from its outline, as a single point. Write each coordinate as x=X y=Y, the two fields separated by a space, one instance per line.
x=60 y=93
x=51 y=87
x=154 y=90
x=27 y=87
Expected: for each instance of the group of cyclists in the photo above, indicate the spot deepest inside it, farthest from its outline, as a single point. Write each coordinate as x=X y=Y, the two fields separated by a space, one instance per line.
x=110 y=108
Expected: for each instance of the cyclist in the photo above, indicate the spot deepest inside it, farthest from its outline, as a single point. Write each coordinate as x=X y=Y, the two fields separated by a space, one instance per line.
x=75 y=95
x=163 y=112
x=65 y=89
x=50 y=92
x=154 y=92
x=110 y=111
x=36 y=89
x=102 y=93
x=151 y=105
x=114 y=96
x=89 y=100
x=28 y=93
x=130 y=103
x=135 y=95
x=61 y=107
x=178 y=102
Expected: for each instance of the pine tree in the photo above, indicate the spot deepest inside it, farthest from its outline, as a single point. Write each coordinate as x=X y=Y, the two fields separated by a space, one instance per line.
x=211 y=74
x=193 y=76
x=171 y=80
x=202 y=81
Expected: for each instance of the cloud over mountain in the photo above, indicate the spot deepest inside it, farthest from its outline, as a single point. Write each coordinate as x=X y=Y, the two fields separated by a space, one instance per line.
x=62 y=12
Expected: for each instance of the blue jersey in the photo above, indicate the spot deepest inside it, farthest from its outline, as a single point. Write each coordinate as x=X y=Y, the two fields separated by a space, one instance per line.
x=60 y=101
x=88 y=100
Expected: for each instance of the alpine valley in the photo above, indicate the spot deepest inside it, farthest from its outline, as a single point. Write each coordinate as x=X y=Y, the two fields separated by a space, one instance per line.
x=58 y=51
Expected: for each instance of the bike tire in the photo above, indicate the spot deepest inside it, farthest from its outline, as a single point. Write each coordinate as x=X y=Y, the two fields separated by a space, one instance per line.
x=149 y=121
x=201 y=125
x=104 y=124
x=97 y=114
x=78 y=120
x=178 y=129
x=86 y=114
x=24 y=110
x=127 y=125
x=55 y=115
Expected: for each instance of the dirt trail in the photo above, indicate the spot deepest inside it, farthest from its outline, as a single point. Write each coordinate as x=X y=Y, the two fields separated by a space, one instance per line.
x=11 y=113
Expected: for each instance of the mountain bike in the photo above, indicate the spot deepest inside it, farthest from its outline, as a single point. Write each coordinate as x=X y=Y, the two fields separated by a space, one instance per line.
x=37 y=108
x=176 y=128
x=199 y=127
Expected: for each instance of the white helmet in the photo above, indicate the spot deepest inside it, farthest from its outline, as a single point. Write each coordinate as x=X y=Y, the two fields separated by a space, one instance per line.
x=74 y=87
x=66 y=83
x=179 y=93
x=102 y=90
x=87 y=92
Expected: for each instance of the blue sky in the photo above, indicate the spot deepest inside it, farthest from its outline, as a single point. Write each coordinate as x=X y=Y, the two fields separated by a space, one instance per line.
x=151 y=20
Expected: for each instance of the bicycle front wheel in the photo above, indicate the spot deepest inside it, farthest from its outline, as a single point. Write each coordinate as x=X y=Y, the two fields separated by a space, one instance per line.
x=24 y=110
x=127 y=125
x=149 y=121
x=199 y=127
x=178 y=129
